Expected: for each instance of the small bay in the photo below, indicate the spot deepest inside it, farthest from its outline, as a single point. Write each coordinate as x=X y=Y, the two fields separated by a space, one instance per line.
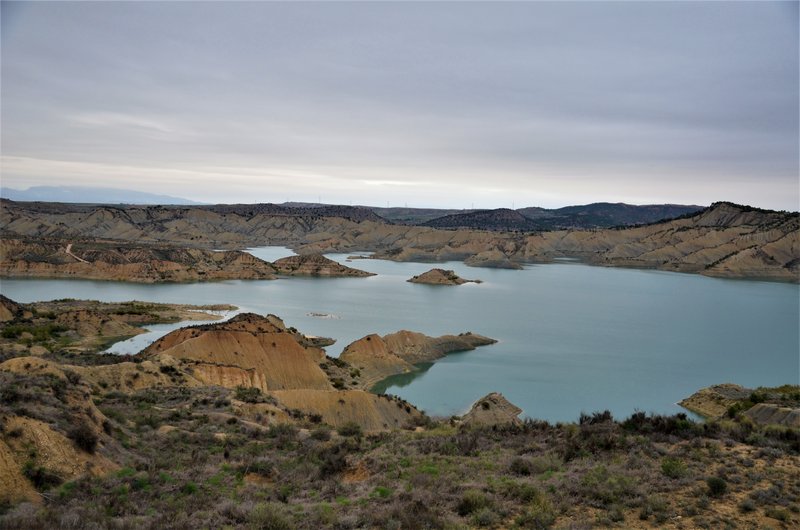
x=571 y=337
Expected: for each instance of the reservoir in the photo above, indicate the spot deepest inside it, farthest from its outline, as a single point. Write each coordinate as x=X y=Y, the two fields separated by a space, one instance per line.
x=572 y=337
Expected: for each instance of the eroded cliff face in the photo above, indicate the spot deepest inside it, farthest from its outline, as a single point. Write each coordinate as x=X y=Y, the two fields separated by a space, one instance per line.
x=724 y=240
x=60 y=259
x=379 y=357
x=249 y=350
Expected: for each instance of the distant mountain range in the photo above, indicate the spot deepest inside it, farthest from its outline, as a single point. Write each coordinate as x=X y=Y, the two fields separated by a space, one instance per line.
x=596 y=215
x=89 y=195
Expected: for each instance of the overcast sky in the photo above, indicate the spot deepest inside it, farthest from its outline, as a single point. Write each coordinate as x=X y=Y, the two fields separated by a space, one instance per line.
x=425 y=104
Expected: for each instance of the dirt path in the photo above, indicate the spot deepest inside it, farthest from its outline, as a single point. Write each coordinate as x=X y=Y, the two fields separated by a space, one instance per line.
x=69 y=252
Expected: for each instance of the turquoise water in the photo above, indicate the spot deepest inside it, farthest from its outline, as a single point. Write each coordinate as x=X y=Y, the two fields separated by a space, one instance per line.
x=571 y=337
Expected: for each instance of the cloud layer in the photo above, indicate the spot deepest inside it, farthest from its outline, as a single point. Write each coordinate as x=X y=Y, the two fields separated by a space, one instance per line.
x=425 y=104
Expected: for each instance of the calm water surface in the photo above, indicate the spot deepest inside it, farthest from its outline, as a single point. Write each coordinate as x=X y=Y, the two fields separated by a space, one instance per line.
x=571 y=337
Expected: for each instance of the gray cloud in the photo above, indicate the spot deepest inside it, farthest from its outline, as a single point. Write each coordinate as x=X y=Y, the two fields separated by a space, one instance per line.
x=430 y=104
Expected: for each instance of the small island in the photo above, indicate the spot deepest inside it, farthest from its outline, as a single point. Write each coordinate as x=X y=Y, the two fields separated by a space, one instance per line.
x=316 y=265
x=441 y=277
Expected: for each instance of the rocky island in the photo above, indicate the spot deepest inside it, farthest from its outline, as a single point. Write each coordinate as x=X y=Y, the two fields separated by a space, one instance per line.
x=316 y=265
x=440 y=277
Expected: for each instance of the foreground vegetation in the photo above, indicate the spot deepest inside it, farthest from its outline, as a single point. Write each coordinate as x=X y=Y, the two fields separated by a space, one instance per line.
x=187 y=459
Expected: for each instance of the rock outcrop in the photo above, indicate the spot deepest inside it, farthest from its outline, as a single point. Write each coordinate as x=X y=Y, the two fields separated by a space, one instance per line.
x=316 y=265
x=379 y=357
x=440 y=277
x=492 y=410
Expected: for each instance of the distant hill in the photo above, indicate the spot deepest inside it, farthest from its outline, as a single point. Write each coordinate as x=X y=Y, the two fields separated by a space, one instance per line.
x=352 y=213
x=89 y=195
x=414 y=216
x=501 y=219
x=606 y=215
x=597 y=215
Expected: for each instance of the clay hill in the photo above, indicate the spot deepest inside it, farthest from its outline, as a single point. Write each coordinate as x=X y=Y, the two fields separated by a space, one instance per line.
x=316 y=265
x=440 y=277
x=378 y=357
x=492 y=410
x=764 y=406
x=252 y=351
x=146 y=264
x=724 y=240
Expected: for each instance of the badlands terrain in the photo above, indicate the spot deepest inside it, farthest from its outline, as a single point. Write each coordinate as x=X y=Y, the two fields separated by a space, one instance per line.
x=723 y=240
x=249 y=423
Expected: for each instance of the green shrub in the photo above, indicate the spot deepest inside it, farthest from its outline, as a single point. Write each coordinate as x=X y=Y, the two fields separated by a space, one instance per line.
x=381 y=492
x=42 y=479
x=351 y=428
x=538 y=516
x=471 y=502
x=673 y=467
x=268 y=516
x=84 y=437
x=520 y=466
x=485 y=517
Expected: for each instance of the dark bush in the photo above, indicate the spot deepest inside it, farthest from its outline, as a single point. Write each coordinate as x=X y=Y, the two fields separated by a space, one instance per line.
x=84 y=437
x=42 y=479
x=716 y=486
x=350 y=428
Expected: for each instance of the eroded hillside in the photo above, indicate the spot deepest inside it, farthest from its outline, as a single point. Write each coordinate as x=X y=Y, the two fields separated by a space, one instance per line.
x=724 y=240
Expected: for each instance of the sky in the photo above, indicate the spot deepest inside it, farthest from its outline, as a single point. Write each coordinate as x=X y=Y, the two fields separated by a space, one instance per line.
x=449 y=105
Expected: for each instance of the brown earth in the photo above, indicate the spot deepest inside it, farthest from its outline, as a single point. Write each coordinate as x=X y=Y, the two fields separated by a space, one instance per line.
x=339 y=407
x=248 y=350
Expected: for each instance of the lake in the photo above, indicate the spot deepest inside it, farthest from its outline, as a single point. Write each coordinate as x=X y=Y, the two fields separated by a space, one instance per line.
x=572 y=337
